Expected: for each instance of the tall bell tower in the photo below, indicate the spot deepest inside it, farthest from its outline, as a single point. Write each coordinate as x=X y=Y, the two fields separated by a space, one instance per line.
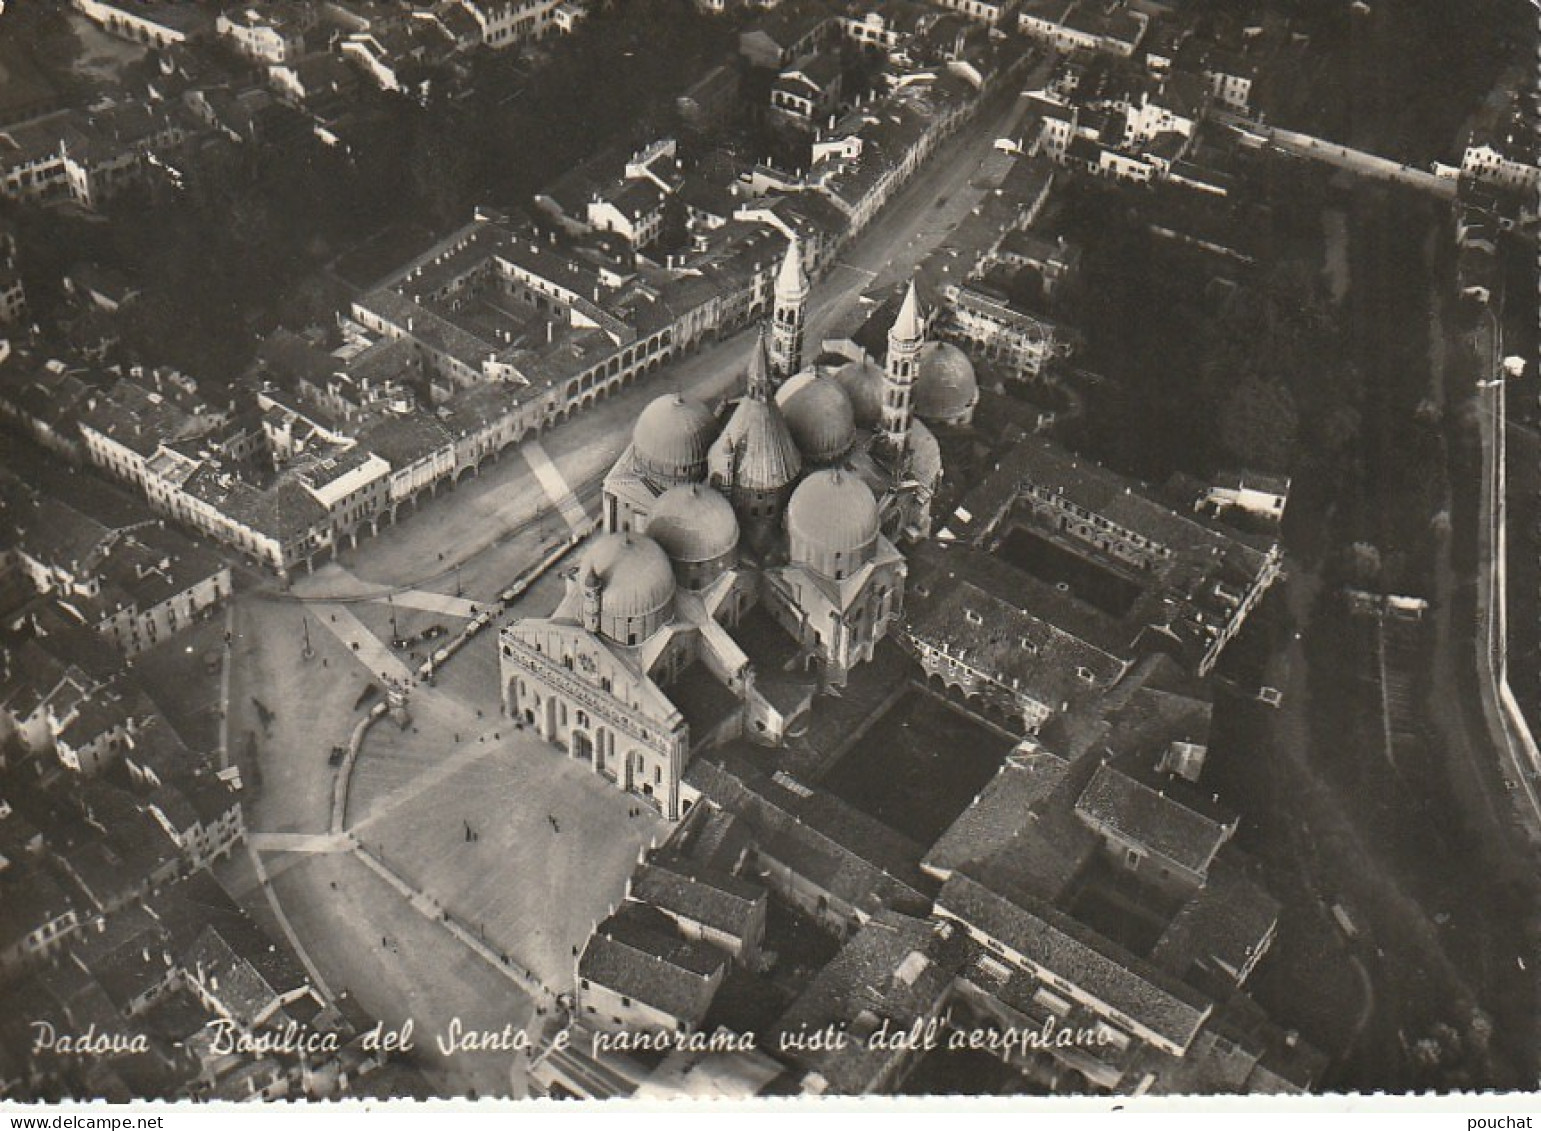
x=789 y=313
x=905 y=338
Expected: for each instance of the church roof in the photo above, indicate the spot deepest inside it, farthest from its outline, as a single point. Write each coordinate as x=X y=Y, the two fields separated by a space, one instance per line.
x=671 y=437
x=925 y=456
x=863 y=385
x=945 y=387
x=819 y=413
x=756 y=451
x=833 y=510
x=907 y=325
x=790 y=278
x=633 y=572
x=693 y=523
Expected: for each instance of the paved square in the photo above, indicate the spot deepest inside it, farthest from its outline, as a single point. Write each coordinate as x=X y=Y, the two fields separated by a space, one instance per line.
x=525 y=887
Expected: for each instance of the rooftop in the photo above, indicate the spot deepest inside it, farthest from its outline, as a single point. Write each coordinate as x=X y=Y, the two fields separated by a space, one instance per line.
x=1131 y=573
x=701 y=894
x=892 y=973
x=852 y=856
x=1008 y=644
x=1153 y=816
x=636 y=953
x=994 y=818
x=1054 y=942
x=1222 y=929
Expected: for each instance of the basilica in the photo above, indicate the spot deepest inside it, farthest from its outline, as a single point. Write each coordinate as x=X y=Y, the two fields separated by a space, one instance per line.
x=786 y=507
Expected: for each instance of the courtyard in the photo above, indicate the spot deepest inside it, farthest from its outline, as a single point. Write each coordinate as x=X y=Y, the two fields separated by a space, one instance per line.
x=918 y=766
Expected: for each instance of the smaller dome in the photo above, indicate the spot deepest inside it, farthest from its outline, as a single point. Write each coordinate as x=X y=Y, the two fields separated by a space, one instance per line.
x=946 y=390
x=863 y=385
x=671 y=438
x=925 y=456
x=693 y=523
x=636 y=585
x=818 y=412
x=832 y=521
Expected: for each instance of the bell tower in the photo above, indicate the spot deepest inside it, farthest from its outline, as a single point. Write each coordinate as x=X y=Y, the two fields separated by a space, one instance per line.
x=905 y=338
x=789 y=313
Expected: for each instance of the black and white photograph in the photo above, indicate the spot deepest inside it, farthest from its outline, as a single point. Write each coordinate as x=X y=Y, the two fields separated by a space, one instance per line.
x=755 y=550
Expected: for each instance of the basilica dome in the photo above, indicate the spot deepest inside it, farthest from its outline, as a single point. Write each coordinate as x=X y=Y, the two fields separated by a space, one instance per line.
x=818 y=412
x=671 y=438
x=924 y=464
x=863 y=385
x=946 y=390
x=634 y=583
x=693 y=524
x=832 y=523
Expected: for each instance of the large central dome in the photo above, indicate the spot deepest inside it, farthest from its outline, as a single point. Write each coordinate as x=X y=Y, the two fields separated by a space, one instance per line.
x=671 y=438
x=832 y=523
x=818 y=412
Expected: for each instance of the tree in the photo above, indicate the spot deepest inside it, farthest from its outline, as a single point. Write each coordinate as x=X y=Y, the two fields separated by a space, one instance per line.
x=1364 y=565
x=1258 y=425
x=1339 y=427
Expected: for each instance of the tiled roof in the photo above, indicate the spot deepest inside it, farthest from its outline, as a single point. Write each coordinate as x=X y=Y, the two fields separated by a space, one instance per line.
x=237 y=985
x=842 y=850
x=126 y=956
x=787 y=23
x=1014 y=647
x=1198 y=571
x=715 y=839
x=403 y=440
x=633 y=197
x=142 y=418
x=1223 y=927
x=1151 y=816
x=1156 y=705
x=896 y=969
x=197 y=902
x=699 y=894
x=282 y=511
x=637 y=955
x=45 y=529
x=29 y=898
x=994 y=818
x=1055 y=943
